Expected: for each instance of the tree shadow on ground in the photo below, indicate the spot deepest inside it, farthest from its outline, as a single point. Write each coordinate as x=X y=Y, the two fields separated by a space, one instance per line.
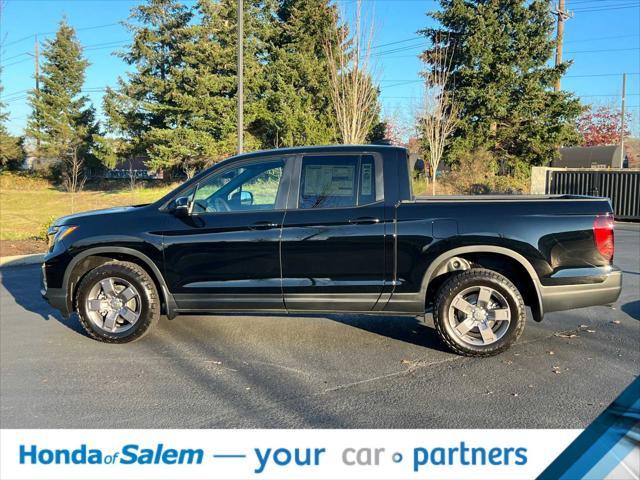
x=632 y=309
x=23 y=284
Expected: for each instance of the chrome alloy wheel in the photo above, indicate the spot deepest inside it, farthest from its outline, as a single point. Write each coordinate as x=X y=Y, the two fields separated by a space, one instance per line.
x=479 y=315
x=113 y=305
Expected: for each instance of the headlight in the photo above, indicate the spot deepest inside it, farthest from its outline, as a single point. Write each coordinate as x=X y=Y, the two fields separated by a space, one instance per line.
x=57 y=233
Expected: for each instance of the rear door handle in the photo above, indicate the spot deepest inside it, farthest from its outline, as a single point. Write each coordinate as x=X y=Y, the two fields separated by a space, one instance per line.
x=364 y=221
x=263 y=226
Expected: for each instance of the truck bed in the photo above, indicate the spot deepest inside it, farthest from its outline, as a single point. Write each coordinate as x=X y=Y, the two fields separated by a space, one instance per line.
x=502 y=197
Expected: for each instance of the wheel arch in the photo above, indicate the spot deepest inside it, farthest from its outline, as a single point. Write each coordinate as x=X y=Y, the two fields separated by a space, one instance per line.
x=94 y=257
x=527 y=279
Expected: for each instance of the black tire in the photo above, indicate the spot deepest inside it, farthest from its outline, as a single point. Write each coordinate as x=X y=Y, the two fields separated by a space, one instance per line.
x=465 y=281
x=137 y=277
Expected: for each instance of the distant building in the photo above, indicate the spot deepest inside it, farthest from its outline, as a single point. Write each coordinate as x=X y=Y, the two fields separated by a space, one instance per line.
x=632 y=151
x=136 y=166
x=607 y=156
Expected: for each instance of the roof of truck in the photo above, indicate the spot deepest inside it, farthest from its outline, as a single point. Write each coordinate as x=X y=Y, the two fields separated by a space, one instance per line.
x=320 y=149
x=371 y=148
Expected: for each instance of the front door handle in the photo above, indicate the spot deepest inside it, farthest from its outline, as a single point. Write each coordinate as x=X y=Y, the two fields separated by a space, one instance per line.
x=364 y=221
x=263 y=226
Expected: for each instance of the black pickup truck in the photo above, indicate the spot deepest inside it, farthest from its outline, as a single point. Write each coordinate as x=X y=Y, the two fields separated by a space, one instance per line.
x=332 y=229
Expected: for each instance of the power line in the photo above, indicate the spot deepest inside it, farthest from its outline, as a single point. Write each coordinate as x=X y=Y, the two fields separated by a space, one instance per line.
x=87 y=48
x=609 y=95
x=605 y=50
x=602 y=38
x=601 y=2
x=25 y=94
x=566 y=76
x=581 y=96
x=81 y=29
x=15 y=56
x=425 y=45
x=15 y=63
x=621 y=6
x=572 y=52
x=602 y=75
x=417 y=37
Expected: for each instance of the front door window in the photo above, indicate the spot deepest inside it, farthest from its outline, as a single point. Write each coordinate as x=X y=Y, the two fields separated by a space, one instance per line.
x=250 y=187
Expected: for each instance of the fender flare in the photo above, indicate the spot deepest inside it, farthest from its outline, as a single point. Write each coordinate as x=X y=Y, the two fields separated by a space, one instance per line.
x=441 y=259
x=170 y=302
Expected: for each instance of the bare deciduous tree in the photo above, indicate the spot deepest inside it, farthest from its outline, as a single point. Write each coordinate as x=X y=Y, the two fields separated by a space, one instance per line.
x=353 y=93
x=133 y=176
x=439 y=118
x=190 y=169
x=74 y=176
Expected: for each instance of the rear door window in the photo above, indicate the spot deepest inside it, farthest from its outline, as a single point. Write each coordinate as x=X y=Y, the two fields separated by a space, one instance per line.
x=337 y=181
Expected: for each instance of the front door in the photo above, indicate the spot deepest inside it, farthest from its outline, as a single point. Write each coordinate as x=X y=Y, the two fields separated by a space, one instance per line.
x=225 y=255
x=333 y=236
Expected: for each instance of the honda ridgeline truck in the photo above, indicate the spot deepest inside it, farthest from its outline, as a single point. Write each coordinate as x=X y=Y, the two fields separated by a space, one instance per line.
x=332 y=229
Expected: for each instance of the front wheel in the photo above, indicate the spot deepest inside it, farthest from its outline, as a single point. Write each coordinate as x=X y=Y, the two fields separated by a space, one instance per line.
x=479 y=313
x=117 y=302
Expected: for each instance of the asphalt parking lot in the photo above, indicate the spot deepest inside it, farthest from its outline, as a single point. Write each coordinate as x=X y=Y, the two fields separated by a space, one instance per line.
x=316 y=371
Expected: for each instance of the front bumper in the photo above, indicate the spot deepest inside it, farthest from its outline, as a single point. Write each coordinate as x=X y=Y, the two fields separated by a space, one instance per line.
x=566 y=297
x=57 y=297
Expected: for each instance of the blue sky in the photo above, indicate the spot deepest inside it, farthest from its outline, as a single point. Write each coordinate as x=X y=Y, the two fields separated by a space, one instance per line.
x=603 y=39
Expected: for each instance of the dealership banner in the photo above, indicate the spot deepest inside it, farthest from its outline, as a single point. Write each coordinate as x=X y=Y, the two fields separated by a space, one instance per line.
x=609 y=448
x=280 y=454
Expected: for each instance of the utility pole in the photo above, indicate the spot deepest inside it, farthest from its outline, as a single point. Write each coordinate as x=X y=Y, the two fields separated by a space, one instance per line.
x=562 y=15
x=622 y=119
x=240 y=112
x=36 y=58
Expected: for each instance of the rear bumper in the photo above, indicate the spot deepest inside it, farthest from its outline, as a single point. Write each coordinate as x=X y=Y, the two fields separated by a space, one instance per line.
x=566 y=297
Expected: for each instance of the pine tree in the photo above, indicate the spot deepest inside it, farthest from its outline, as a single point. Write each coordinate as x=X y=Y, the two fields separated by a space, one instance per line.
x=208 y=82
x=146 y=100
x=63 y=122
x=179 y=106
x=11 y=153
x=297 y=101
x=502 y=80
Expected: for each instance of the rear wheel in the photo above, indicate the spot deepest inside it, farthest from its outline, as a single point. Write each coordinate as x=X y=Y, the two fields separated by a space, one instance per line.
x=117 y=302
x=479 y=313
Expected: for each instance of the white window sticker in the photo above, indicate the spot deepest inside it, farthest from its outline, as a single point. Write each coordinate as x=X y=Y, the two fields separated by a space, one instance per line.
x=367 y=185
x=329 y=180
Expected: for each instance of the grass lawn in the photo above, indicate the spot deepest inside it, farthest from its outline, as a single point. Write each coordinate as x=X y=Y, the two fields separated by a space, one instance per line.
x=28 y=204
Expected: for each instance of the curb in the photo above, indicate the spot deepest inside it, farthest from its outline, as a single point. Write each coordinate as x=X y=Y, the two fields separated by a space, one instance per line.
x=18 y=260
x=628 y=226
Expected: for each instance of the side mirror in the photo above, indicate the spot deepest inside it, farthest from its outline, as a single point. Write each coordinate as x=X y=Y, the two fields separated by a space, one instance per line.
x=241 y=199
x=182 y=207
x=246 y=198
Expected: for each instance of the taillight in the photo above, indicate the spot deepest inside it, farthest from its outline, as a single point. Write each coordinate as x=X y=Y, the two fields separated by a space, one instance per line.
x=603 y=236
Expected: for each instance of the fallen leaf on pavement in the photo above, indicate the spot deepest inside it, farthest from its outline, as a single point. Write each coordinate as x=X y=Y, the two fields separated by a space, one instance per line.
x=569 y=334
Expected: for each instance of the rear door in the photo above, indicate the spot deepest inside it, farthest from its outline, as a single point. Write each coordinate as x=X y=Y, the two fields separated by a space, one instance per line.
x=333 y=235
